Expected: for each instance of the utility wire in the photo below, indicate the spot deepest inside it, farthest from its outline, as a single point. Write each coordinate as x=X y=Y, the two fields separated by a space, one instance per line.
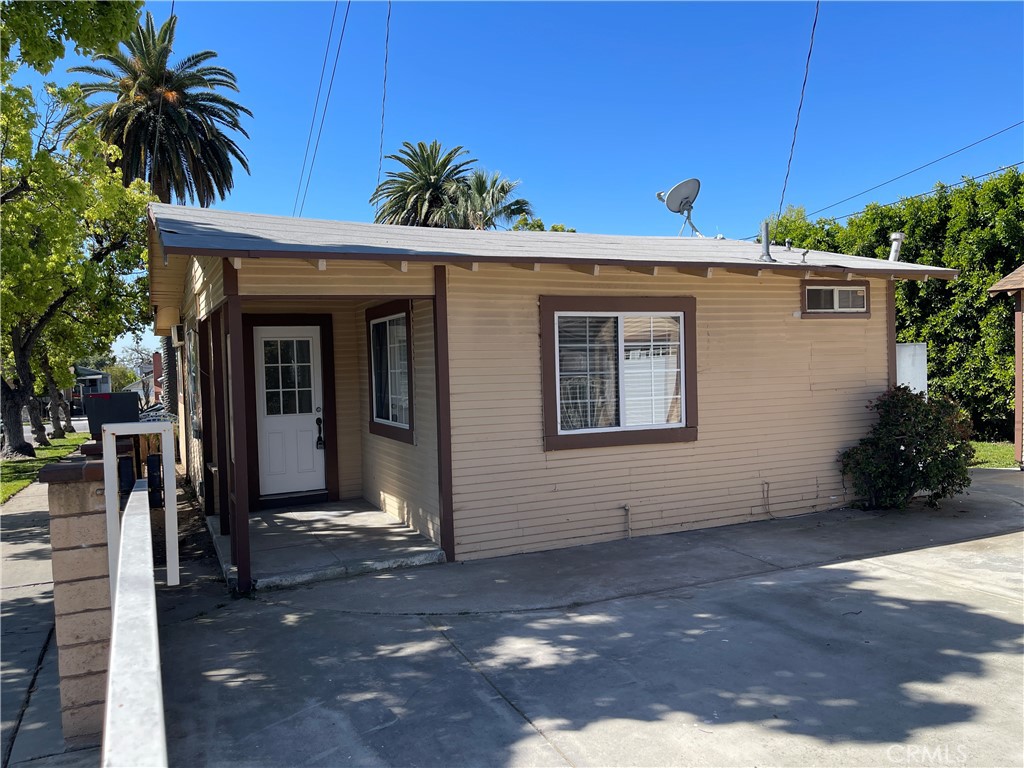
x=384 y=97
x=921 y=194
x=799 y=108
x=915 y=170
x=316 y=108
x=327 y=102
x=932 y=191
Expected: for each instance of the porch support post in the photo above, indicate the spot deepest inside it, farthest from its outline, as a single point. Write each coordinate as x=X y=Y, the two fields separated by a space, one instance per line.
x=444 y=412
x=240 y=466
x=220 y=418
x=206 y=415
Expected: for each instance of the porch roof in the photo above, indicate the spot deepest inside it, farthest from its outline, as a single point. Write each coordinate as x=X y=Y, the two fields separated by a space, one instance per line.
x=179 y=230
x=1012 y=283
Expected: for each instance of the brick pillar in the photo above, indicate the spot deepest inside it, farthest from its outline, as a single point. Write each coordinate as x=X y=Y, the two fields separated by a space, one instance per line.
x=81 y=594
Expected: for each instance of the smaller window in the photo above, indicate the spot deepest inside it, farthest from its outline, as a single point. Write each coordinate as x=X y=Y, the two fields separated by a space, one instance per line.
x=848 y=299
x=389 y=352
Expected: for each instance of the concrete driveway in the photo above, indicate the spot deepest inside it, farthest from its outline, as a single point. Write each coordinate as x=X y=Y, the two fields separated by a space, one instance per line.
x=782 y=643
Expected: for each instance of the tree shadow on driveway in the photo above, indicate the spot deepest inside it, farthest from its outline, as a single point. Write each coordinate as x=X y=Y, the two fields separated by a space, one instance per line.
x=850 y=657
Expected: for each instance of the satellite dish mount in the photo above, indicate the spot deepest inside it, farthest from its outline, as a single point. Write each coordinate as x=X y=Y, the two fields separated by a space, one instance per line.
x=680 y=199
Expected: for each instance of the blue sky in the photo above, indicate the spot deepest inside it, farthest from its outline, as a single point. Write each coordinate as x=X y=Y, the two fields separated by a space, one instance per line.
x=597 y=106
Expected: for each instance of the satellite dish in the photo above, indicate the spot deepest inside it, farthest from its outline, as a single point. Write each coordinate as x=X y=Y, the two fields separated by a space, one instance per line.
x=680 y=199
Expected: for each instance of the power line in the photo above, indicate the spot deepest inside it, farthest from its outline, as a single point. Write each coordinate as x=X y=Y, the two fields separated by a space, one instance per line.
x=327 y=102
x=932 y=191
x=915 y=170
x=384 y=97
x=316 y=108
x=921 y=194
x=799 y=108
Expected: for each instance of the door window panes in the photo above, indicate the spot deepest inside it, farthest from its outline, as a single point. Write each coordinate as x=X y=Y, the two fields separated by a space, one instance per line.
x=288 y=376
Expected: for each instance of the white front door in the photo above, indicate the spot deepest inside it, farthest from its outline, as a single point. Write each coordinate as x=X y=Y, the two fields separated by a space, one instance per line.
x=289 y=402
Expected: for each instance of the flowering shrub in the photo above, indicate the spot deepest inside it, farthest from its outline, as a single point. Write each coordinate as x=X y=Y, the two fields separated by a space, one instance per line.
x=918 y=444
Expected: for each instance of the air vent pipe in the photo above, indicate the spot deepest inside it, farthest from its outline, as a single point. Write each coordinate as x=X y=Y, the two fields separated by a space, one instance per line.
x=897 y=241
x=765 y=251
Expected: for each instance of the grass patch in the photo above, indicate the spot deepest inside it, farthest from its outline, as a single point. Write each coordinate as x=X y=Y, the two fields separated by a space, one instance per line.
x=16 y=474
x=993 y=456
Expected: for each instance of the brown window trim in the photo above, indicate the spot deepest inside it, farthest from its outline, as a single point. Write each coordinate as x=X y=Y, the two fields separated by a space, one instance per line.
x=549 y=305
x=400 y=307
x=805 y=314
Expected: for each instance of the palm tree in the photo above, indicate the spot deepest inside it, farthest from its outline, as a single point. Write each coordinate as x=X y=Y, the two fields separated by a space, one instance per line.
x=168 y=120
x=427 y=192
x=484 y=202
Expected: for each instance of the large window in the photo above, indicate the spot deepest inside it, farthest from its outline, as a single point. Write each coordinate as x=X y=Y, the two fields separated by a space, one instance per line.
x=835 y=299
x=618 y=371
x=390 y=357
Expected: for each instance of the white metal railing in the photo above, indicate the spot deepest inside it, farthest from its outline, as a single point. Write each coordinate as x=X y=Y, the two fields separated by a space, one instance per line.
x=110 y=434
x=133 y=721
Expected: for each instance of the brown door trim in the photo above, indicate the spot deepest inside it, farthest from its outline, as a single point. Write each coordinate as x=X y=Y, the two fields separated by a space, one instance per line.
x=329 y=393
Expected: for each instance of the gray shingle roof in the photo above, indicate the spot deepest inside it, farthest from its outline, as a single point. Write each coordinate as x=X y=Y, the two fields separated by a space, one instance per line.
x=183 y=230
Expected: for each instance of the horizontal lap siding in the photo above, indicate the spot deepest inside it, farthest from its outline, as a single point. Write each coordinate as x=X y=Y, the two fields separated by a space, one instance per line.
x=778 y=398
x=399 y=477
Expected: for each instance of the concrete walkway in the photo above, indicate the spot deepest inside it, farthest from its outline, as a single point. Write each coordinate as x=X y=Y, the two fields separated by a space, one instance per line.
x=836 y=639
x=843 y=638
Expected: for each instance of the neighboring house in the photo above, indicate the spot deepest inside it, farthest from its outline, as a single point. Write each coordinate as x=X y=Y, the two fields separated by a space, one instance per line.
x=88 y=381
x=1013 y=284
x=148 y=386
x=509 y=392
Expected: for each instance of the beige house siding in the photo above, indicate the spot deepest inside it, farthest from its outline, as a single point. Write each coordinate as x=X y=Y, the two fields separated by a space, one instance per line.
x=778 y=397
x=399 y=477
x=300 y=277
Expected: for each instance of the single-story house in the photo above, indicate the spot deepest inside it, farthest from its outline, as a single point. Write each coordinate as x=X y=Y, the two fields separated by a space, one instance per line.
x=1013 y=284
x=507 y=392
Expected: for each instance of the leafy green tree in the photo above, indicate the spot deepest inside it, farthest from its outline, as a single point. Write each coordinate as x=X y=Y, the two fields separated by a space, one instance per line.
x=485 y=202
x=170 y=121
x=977 y=228
x=73 y=238
x=427 y=192
x=42 y=29
x=528 y=224
x=120 y=376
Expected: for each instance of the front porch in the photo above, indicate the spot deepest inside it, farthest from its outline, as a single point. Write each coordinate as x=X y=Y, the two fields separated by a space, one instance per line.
x=329 y=540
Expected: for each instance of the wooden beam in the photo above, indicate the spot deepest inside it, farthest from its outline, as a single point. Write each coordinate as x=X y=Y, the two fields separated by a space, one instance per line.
x=652 y=271
x=704 y=272
x=469 y=267
x=528 y=266
x=240 y=461
x=320 y=264
x=236 y=262
x=586 y=269
x=401 y=266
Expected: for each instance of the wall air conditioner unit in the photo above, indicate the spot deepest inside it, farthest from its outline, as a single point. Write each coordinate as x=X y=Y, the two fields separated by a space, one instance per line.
x=177 y=335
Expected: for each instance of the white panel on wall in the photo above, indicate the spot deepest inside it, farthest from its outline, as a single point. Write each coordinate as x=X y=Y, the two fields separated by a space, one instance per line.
x=912 y=366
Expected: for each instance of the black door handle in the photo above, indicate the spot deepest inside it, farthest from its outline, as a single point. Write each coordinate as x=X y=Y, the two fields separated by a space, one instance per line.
x=319 y=434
